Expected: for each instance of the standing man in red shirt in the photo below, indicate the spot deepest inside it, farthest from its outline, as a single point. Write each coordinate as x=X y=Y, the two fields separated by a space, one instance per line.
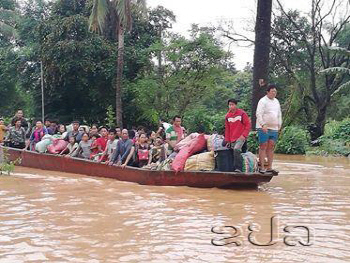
x=237 y=127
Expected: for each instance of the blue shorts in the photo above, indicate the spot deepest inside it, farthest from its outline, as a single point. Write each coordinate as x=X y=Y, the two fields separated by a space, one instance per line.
x=270 y=135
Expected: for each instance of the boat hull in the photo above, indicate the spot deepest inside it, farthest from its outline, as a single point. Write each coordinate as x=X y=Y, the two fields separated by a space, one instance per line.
x=202 y=179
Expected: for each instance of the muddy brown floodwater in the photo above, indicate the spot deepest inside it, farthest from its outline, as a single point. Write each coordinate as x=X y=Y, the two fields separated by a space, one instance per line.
x=60 y=217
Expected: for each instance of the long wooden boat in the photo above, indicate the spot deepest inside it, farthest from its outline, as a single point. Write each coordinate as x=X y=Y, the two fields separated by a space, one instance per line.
x=202 y=179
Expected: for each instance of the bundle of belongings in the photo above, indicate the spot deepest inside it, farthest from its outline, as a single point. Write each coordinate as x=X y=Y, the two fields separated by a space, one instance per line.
x=200 y=152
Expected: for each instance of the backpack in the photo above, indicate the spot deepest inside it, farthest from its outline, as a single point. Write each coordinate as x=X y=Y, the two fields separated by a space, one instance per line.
x=143 y=155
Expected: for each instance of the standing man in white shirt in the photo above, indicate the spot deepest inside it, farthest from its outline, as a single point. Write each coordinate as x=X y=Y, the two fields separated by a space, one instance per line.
x=268 y=123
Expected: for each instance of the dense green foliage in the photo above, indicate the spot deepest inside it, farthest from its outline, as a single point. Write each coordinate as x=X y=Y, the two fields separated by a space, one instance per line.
x=7 y=166
x=336 y=139
x=293 y=140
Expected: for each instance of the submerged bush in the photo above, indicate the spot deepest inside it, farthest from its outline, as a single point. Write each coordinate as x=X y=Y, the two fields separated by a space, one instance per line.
x=343 y=131
x=336 y=139
x=6 y=165
x=293 y=140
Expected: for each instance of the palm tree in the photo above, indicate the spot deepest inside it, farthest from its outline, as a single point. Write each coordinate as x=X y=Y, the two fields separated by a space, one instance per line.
x=339 y=70
x=115 y=14
x=261 y=53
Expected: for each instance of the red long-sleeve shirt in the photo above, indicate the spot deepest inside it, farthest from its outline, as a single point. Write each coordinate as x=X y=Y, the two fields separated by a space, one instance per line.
x=236 y=124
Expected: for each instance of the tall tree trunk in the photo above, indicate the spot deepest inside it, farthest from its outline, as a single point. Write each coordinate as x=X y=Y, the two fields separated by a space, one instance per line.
x=261 y=52
x=119 y=78
x=160 y=71
x=159 y=55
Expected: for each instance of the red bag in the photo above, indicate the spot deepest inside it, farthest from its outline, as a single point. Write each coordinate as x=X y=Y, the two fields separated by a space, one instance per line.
x=198 y=144
x=57 y=146
x=143 y=155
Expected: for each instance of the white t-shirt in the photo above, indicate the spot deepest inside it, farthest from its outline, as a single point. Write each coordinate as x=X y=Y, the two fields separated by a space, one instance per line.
x=111 y=146
x=269 y=113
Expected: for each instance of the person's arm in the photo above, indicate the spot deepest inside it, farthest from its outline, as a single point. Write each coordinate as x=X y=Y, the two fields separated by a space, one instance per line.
x=23 y=134
x=260 y=112
x=28 y=142
x=132 y=150
x=247 y=125
x=279 y=117
x=227 y=131
x=74 y=148
x=64 y=150
x=149 y=157
x=29 y=127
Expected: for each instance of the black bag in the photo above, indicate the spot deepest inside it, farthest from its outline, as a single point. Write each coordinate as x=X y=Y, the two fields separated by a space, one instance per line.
x=224 y=160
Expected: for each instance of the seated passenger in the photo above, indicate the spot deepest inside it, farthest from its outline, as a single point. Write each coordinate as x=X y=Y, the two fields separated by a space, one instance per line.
x=139 y=153
x=53 y=128
x=84 y=148
x=62 y=131
x=70 y=148
x=74 y=132
x=94 y=146
x=110 y=147
x=158 y=152
x=16 y=136
x=93 y=130
x=38 y=133
x=151 y=137
x=123 y=149
x=47 y=123
x=119 y=133
x=102 y=141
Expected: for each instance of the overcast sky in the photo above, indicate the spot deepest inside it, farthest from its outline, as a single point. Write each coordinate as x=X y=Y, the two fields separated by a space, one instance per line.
x=205 y=12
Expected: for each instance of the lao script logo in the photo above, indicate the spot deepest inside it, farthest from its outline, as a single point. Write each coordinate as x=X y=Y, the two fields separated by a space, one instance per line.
x=293 y=235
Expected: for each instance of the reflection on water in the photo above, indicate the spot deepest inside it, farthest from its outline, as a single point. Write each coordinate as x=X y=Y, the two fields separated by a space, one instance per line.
x=57 y=217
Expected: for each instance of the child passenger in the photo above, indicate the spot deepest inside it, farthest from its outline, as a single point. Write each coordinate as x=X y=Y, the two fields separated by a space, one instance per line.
x=157 y=152
x=110 y=147
x=37 y=134
x=70 y=148
x=94 y=146
x=84 y=148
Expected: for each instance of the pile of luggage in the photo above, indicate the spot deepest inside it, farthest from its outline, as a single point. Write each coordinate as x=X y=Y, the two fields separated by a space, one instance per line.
x=201 y=152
